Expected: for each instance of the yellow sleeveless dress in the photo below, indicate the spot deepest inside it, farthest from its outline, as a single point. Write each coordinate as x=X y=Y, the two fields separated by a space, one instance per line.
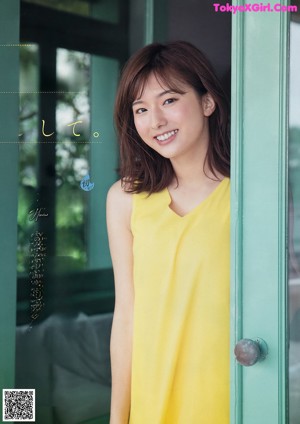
x=180 y=360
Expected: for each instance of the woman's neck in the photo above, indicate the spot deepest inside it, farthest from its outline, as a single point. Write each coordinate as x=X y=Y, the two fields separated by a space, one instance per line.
x=193 y=173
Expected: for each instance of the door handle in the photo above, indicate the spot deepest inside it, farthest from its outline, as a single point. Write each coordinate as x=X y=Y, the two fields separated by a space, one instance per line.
x=248 y=352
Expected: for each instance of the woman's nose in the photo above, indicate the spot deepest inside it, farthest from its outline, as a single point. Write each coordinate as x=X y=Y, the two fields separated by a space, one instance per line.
x=158 y=118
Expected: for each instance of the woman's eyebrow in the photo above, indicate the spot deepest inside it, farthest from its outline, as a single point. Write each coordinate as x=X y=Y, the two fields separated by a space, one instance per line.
x=136 y=102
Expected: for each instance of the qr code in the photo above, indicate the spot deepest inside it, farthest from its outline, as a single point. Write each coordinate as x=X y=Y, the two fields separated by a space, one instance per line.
x=18 y=405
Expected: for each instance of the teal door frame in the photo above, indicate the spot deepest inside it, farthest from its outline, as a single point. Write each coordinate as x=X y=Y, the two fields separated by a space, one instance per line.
x=148 y=22
x=9 y=117
x=258 y=212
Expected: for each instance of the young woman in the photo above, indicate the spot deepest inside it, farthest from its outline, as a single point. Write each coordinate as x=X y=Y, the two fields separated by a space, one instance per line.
x=168 y=224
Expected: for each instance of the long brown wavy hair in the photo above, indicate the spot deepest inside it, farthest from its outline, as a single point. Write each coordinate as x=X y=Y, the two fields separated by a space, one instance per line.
x=142 y=168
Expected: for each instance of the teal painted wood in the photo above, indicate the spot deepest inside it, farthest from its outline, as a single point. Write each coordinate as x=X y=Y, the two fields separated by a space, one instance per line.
x=259 y=180
x=236 y=212
x=155 y=21
x=149 y=21
x=283 y=296
x=103 y=157
x=106 y=10
x=9 y=116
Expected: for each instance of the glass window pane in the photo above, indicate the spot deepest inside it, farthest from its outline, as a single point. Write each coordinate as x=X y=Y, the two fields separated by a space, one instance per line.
x=28 y=159
x=64 y=311
x=72 y=155
x=62 y=348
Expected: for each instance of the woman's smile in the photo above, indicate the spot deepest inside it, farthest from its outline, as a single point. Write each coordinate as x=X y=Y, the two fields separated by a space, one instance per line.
x=166 y=137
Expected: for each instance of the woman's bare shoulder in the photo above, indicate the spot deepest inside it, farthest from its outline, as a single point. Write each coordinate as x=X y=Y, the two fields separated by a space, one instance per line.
x=117 y=193
x=119 y=201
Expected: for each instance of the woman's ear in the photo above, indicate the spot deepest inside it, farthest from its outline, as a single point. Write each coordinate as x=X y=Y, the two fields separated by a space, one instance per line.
x=208 y=104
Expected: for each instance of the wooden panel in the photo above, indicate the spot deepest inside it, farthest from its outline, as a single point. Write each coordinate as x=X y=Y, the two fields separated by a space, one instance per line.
x=259 y=145
x=9 y=107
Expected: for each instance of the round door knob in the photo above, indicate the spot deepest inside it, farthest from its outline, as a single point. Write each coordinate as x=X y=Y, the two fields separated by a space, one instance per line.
x=248 y=352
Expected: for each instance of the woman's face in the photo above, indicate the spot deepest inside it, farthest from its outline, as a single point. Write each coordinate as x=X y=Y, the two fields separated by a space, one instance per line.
x=174 y=125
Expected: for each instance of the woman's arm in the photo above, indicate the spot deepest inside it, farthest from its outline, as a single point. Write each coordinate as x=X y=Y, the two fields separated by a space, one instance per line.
x=119 y=205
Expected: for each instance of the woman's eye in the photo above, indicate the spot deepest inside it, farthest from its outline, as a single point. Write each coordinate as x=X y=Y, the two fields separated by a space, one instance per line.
x=169 y=101
x=140 y=110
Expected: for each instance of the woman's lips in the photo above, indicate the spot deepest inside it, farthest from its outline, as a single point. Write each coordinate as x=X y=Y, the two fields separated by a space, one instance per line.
x=166 y=136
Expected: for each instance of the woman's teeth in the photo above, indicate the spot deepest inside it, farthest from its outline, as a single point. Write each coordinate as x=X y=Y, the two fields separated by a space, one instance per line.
x=165 y=136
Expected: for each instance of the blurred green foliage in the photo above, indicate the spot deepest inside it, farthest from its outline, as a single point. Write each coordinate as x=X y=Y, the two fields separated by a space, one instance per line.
x=72 y=153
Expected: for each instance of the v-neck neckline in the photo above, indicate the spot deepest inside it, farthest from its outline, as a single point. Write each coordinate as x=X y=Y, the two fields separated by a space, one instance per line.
x=198 y=206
